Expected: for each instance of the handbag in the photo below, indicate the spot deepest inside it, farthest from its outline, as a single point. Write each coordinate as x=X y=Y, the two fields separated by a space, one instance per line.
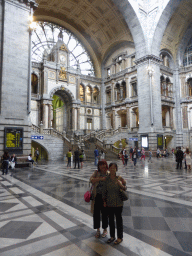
x=88 y=195
x=123 y=195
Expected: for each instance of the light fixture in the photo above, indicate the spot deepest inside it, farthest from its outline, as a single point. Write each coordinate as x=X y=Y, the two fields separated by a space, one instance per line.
x=33 y=25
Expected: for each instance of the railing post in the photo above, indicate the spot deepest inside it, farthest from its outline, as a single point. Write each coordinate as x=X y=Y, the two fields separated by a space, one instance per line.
x=51 y=131
x=41 y=127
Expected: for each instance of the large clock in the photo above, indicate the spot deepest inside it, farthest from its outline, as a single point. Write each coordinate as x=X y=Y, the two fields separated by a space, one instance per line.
x=62 y=58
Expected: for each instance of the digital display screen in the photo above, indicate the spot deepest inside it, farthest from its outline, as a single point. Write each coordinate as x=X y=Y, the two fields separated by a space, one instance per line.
x=144 y=142
x=13 y=138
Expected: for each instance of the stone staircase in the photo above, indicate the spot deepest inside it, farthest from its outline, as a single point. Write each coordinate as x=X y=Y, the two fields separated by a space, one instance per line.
x=90 y=146
x=53 y=145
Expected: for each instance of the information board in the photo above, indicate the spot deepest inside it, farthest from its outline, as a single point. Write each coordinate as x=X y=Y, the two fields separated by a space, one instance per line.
x=13 y=139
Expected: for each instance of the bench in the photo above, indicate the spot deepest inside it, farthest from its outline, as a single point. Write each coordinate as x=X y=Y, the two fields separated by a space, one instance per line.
x=22 y=161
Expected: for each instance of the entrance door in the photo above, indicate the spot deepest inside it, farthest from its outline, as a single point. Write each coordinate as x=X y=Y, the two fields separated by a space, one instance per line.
x=89 y=123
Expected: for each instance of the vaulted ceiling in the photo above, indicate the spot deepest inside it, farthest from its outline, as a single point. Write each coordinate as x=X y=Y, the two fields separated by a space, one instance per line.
x=97 y=23
x=177 y=27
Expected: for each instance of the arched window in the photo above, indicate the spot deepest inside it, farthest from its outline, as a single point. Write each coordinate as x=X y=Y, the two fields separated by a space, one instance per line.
x=189 y=83
x=167 y=86
x=162 y=79
x=88 y=94
x=124 y=89
x=34 y=84
x=187 y=60
x=96 y=95
x=46 y=36
x=82 y=93
x=117 y=89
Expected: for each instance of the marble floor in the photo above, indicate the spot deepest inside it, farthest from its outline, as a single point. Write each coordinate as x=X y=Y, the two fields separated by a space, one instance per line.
x=43 y=212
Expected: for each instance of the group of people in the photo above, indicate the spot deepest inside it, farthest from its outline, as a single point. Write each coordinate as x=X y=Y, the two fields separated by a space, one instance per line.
x=7 y=162
x=181 y=155
x=98 y=155
x=106 y=201
x=79 y=157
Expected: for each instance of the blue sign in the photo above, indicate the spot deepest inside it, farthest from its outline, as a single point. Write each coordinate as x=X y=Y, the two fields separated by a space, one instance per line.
x=34 y=137
x=133 y=139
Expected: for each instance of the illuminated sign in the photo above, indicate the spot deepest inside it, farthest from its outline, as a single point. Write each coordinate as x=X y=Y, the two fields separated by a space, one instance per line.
x=13 y=138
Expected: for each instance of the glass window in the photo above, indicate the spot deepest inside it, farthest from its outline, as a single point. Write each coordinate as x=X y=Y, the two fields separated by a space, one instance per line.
x=46 y=36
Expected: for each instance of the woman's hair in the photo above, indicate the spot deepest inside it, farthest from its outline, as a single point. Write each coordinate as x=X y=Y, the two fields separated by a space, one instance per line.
x=101 y=162
x=187 y=151
x=114 y=164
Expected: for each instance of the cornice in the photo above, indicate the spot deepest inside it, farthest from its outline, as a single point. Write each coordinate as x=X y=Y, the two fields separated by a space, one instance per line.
x=146 y=58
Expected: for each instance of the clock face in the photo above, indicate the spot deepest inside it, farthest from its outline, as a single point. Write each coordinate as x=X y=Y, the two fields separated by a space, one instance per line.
x=62 y=58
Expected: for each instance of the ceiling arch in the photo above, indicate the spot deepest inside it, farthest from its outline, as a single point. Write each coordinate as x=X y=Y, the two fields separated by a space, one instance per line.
x=172 y=26
x=98 y=24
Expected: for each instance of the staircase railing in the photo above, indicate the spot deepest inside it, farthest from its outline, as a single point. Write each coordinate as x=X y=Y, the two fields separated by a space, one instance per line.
x=52 y=132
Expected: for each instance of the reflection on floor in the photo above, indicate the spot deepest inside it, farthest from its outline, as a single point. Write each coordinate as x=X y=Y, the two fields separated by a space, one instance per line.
x=42 y=211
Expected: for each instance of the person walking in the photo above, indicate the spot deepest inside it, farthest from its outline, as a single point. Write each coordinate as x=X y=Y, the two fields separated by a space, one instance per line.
x=114 y=203
x=143 y=154
x=5 y=163
x=97 y=179
x=37 y=154
x=134 y=156
x=69 y=154
x=81 y=158
x=179 y=158
x=188 y=159
x=126 y=158
x=77 y=161
x=96 y=153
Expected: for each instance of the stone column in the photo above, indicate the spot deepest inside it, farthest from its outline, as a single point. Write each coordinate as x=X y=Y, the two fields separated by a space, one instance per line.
x=78 y=118
x=49 y=115
x=73 y=119
x=128 y=116
x=171 y=118
x=44 y=115
x=113 y=92
x=127 y=86
x=149 y=94
x=113 y=118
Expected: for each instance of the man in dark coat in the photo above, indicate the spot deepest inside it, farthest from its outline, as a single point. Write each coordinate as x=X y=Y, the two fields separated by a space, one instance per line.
x=179 y=157
x=76 y=153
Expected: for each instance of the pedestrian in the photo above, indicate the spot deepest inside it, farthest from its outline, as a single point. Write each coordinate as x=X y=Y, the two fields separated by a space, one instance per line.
x=37 y=154
x=134 y=156
x=126 y=158
x=30 y=159
x=158 y=153
x=143 y=154
x=76 y=155
x=69 y=154
x=102 y=155
x=81 y=158
x=179 y=158
x=112 y=200
x=5 y=162
x=123 y=156
x=96 y=153
x=188 y=159
x=97 y=208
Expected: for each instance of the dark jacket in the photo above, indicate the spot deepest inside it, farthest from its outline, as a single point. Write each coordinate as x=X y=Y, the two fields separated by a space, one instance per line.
x=179 y=155
x=76 y=153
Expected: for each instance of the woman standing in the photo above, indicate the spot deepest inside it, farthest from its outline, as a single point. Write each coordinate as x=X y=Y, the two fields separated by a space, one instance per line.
x=188 y=159
x=98 y=179
x=114 y=203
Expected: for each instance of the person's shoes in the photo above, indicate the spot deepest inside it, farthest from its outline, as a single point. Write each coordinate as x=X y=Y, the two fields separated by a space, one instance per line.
x=97 y=235
x=118 y=241
x=104 y=233
x=110 y=240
